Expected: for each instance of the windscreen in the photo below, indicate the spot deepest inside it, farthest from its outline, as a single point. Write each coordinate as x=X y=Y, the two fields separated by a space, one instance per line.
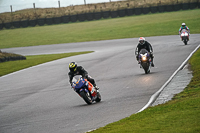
x=183 y=30
x=143 y=51
x=76 y=78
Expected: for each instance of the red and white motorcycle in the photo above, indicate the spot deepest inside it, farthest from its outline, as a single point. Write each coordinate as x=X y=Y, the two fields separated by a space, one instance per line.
x=184 y=36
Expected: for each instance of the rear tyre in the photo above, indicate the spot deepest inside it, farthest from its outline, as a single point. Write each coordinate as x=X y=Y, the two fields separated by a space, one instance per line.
x=86 y=97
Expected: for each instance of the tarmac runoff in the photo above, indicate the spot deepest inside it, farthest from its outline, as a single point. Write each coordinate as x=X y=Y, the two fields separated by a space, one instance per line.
x=174 y=85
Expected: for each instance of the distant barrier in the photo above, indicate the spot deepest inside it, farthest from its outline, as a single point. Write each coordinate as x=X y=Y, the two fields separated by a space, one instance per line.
x=99 y=15
x=10 y=57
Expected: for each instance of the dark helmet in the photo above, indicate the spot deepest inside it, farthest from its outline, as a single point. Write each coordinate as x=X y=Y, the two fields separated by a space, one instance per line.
x=141 y=40
x=72 y=66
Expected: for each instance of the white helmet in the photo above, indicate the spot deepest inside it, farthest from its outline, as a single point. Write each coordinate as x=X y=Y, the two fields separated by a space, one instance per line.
x=141 y=40
x=183 y=24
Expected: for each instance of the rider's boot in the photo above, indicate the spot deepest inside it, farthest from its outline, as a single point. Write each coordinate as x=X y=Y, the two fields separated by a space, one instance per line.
x=152 y=64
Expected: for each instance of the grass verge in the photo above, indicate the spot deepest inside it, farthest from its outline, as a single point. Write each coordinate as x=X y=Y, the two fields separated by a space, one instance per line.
x=116 y=28
x=12 y=66
x=180 y=115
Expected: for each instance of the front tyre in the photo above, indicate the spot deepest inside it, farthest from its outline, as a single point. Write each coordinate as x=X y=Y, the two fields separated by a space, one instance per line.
x=147 y=71
x=86 y=97
x=98 y=99
x=146 y=67
x=185 y=41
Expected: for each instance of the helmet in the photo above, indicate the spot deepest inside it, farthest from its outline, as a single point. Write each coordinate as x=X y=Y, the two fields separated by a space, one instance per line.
x=72 y=66
x=141 y=40
x=183 y=24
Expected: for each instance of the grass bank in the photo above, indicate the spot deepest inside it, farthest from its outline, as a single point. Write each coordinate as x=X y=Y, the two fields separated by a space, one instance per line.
x=10 y=57
x=12 y=66
x=180 y=115
x=126 y=27
x=37 y=13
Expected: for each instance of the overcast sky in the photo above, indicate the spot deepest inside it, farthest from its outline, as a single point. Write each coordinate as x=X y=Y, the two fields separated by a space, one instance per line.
x=23 y=4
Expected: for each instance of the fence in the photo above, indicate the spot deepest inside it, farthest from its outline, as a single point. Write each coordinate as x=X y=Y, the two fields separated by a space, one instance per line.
x=46 y=4
x=99 y=15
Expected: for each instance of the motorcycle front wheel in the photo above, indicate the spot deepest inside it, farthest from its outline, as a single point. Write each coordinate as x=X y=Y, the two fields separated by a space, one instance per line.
x=185 y=42
x=98 y=97
x=146 y=68
x=86 y=97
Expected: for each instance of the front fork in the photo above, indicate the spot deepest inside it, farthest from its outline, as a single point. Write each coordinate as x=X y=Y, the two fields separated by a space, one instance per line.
x=183 y=37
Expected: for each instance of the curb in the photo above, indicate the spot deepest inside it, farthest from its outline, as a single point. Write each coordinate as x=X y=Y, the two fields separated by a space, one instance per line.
x=156 y=95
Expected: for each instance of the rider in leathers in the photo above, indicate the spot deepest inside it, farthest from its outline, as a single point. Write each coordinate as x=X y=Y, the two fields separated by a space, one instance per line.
x=184 y=27
x=79 y=70
x=144 y=45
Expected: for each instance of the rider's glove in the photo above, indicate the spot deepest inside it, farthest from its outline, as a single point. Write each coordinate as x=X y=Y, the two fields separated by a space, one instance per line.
x=85 y=76
x=137 y=57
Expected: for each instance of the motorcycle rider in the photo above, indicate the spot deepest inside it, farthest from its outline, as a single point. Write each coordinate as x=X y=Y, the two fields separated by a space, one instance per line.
x=144 y=45
x=184 y=27
x=79 y=70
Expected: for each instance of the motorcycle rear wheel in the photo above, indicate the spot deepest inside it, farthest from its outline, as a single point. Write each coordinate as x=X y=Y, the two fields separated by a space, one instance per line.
x=86 y=97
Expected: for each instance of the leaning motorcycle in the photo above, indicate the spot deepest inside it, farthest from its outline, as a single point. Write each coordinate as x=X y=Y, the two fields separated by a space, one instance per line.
x=85 y=89
x=145 y=60
x=184 y=36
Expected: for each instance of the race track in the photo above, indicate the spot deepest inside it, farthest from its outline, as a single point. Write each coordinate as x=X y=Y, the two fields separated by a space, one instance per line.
x=39 y=99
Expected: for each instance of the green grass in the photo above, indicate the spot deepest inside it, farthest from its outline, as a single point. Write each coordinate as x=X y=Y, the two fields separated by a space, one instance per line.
x=12 y=66
x=106 y=29
x=180 y=115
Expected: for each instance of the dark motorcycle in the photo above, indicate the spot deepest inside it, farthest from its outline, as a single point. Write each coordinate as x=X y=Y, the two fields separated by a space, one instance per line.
x=145 y=60
x=184 y=36
x=85 y=89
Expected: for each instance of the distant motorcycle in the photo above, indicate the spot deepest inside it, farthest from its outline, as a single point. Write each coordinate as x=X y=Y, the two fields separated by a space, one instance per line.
x=184 y=36
x=85 y=89
x=145 y=60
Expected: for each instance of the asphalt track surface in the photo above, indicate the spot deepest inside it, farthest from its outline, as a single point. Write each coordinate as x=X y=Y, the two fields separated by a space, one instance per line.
x=39 y=99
